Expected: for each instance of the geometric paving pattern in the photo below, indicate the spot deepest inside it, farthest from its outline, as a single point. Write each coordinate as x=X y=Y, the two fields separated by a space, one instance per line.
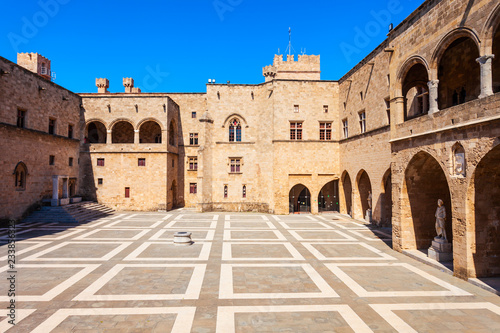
x=245 y=272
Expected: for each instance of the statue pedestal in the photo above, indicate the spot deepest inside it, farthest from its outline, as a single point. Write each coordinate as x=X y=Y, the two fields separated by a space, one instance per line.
x=440 y=250
x=368 y=215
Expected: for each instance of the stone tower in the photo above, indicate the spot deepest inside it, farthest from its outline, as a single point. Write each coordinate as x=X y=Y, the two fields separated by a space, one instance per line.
x=35 y=63
x=307 y=67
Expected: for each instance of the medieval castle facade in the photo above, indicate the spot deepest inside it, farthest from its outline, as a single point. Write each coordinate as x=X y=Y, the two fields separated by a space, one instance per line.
x=416 y=121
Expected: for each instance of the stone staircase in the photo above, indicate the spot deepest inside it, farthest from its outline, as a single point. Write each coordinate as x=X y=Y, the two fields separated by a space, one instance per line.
x=74 y=213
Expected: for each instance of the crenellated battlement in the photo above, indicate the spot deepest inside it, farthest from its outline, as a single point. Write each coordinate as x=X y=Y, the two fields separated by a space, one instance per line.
x=307 y=67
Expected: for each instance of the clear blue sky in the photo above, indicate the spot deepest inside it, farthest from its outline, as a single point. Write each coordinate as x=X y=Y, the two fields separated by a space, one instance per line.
x=177 y=45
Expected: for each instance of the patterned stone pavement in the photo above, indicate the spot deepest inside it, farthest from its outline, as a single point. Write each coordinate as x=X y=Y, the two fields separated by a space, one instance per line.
x=244 y=273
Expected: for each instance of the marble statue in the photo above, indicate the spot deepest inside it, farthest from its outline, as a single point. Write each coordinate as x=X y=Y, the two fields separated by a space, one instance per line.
x=440 y=220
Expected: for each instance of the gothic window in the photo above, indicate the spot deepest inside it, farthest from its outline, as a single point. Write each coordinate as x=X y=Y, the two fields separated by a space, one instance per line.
x=20 y=176
x=235 y=131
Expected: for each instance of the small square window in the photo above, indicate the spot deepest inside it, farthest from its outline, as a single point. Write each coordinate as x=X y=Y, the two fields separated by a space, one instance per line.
x=70 y=131
x=325 y=108
x=127 y=192
x=193 y=188
x=99 y=181
x=100 y=162
x=295 y=108
x=52 y=126
x=52 y=160
x=141 y=162
x=193 y=114
x=70 y=161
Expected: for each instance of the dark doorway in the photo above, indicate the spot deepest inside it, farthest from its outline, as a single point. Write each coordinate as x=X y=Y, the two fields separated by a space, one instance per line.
x=299 y=200
x=328 y=197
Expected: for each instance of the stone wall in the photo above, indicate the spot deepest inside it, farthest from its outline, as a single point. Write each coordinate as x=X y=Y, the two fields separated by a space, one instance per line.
x=31 y=144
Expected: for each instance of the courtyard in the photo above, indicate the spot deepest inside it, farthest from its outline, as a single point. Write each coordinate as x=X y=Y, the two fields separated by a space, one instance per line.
x=245 y=272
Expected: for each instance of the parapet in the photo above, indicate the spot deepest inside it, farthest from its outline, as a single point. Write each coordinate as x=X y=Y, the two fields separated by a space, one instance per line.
x=307 y=67
x=102 y=85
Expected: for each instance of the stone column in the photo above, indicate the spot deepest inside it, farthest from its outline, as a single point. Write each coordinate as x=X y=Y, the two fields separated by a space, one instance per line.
x=433 y=96
x=486 y=75
x=109 y=138
x=136 y=136
x=55 y=191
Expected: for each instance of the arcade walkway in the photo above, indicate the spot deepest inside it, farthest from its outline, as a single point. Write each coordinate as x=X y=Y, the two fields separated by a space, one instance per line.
x=244 y=273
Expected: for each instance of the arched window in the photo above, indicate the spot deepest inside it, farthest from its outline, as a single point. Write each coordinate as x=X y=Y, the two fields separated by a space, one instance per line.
x=20 y=173
x=234 y=130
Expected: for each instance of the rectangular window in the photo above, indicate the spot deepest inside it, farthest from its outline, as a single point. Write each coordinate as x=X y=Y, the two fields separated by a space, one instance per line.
x=141 y=162
x=388 y=110
x=21 y=118
x=235 y=164
x=71 y=161
x=325 y=108
x=362 y=121
x=295 y=108
x=296 y=131
x=193 y=163
x=325 y=131
x=100 y=162
x=193 y=188
x=193 y=139
x=345 y=128
x=127 y=192
x=70 y=131
x=52 y=126
x=52 y=160
x=99 y=181
x=193 y=114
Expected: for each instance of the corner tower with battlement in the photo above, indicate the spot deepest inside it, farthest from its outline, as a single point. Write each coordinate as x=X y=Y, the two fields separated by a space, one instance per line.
x=307 y=67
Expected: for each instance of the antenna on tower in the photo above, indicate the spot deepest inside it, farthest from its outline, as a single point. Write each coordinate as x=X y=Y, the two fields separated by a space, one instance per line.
x=289 y=48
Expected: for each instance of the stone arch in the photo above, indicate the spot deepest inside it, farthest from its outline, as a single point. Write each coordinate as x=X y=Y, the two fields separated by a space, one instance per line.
x=150 y=131
x=117 y=120
x=446 y=41
x=172 y=133
x=407 y=65
x=328 y=197
x=385 y=199
x=299 y=199
x=362 y=196
x=424 y=183
x=95 y=131
x=491 y=45
x=234 y=115
x=20 y=174
x=345 y=194
x=122 y=131
x=415 y=90
x=145 y=120
x=455 y=66
x=483 y=216
x=491 y=26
